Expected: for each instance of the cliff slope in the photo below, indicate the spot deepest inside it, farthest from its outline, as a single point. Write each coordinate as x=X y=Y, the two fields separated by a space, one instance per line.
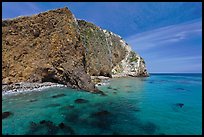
x=44 y=48
x=107 y=54
x=55 y=47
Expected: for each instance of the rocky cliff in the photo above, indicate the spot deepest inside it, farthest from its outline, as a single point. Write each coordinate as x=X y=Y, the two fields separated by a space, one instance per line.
x=107 y=54
x=55 y=47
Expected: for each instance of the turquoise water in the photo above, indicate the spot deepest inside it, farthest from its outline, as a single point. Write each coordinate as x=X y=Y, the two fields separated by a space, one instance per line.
x=132 y=106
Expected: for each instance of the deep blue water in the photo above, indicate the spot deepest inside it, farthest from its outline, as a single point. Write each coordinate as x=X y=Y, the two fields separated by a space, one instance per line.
x=168 y=104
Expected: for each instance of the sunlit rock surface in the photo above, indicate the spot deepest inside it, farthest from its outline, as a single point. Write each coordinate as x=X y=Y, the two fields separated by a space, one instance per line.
x=56 y=47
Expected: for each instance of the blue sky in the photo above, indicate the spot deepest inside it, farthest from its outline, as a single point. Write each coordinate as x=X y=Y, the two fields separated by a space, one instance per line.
x=167 y=35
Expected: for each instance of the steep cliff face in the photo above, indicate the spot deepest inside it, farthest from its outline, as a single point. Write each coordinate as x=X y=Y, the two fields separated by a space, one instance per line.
x=103 y=50
x=44 y=47
x=107 y=54
x=55 y=47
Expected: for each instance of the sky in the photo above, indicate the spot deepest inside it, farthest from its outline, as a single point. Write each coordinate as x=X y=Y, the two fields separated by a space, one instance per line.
x=168 y=35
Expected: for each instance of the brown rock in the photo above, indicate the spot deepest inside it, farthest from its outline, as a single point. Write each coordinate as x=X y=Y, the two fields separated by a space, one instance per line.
x=41 y=45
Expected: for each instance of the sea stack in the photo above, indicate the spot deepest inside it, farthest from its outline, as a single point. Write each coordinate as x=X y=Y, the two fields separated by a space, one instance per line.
x=56 y=47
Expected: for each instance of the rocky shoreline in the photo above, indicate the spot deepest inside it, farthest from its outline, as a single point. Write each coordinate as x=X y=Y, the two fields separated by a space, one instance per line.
x=100 y=80
x=24 y=87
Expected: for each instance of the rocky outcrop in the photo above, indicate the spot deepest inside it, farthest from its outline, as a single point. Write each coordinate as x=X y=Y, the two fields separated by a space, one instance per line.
x=55 y=47
x=44 y=48
x=103 y=49
x=107 y=54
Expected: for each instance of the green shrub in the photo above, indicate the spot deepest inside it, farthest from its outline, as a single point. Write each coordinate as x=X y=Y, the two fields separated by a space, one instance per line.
x=133 y=59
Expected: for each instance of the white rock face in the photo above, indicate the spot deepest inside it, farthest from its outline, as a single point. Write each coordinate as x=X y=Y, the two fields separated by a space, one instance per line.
x=131 y=65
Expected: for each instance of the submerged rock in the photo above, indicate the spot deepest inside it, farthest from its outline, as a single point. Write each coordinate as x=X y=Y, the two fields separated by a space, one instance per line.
x=179 y=105
x=6 y=114
x=180 y=89
x=59 y=95
x=44 y=127
x=33 y=100
x=109 y=87
x=102 y=120
x=47 y=122
x=72 y=116
x=149 y=127
x=136 y=109
x=61 y=125
x=34 y=128
x=101 y=113
x=53 y=105
x=80 y=100
x=42 y=122
x=66 y=128
x=32 y=124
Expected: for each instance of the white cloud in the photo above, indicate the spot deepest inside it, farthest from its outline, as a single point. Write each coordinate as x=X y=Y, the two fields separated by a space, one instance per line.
x=163 y=49
x=165 y=35
x=179 y=59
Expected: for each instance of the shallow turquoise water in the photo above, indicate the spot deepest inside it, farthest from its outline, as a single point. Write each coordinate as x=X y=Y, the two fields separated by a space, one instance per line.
x=132 y=106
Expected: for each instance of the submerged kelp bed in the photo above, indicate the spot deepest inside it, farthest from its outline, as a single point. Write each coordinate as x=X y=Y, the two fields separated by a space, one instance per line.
x=159 y=104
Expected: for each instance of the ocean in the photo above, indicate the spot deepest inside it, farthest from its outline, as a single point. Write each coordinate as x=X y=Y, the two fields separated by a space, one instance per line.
x=162 y=104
